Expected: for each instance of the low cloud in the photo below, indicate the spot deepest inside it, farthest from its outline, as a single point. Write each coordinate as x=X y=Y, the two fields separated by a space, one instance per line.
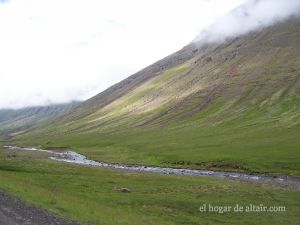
x=252 y=15
x=54 y=51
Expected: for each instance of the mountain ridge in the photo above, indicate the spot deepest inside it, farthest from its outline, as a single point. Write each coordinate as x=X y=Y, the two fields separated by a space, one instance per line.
x=17 y=121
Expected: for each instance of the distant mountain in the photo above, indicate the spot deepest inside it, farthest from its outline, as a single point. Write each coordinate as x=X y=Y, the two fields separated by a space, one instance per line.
x=230 y=105
x=13 y=122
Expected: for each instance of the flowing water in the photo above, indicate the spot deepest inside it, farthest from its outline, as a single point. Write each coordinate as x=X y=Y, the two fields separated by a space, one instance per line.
x=75 y=158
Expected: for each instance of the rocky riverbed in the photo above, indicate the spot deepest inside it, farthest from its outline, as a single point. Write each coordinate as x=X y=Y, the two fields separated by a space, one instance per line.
x=76 y=158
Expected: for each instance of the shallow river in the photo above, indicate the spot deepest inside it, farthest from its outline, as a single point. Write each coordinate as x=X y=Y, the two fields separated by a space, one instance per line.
x=75 y=158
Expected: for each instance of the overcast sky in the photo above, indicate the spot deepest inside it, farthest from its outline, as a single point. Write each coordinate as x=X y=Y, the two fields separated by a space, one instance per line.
x=59 y=50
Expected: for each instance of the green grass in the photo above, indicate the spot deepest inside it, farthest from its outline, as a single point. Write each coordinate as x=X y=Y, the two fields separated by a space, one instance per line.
x=90 y=194
x=249 y=143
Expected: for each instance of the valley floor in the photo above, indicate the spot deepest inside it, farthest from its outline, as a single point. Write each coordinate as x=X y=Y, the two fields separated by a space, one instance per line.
x=93 y=195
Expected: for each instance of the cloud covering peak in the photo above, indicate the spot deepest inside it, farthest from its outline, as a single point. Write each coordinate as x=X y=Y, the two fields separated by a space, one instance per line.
x=252 y=15
x=55 y=51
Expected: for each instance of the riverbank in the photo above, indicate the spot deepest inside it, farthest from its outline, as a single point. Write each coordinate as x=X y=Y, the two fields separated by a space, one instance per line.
x=94 y=195
x=76 y=158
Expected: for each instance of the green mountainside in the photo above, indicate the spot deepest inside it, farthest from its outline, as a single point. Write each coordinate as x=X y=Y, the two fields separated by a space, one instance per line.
x=224 y=106
x=15 y=122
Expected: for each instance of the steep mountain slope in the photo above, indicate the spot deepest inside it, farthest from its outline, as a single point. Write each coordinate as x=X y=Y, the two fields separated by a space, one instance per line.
x=14 y=122
x=232 y=106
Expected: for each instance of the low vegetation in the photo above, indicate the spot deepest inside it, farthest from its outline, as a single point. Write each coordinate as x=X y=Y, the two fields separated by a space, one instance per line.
x=93 y=195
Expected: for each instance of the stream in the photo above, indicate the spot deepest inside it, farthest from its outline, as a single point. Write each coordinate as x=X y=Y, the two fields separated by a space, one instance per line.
x=75 y=158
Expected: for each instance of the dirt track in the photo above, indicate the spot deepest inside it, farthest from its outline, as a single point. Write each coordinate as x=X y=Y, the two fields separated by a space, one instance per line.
x=16 y=212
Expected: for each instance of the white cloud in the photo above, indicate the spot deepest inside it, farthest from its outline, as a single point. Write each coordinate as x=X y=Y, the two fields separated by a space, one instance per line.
x=252 y=15
x=61 y=50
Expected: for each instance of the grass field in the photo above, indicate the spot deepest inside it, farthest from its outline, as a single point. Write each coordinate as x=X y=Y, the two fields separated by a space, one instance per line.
x=269 y=147
x=91 y=195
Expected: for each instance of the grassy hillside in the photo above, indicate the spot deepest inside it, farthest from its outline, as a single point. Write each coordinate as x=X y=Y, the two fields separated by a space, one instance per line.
x=228 y=106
